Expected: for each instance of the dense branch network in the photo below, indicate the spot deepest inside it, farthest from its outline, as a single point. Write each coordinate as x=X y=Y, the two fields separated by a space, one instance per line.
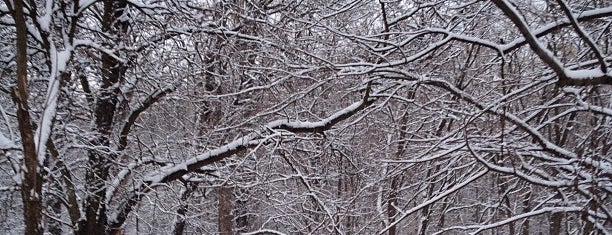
x=121 y=116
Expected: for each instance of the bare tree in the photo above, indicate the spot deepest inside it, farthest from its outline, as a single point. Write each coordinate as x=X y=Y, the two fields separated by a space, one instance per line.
x=327 y=117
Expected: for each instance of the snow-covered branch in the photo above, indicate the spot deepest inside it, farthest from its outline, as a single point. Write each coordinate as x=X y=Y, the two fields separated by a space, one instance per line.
x=566 y=77
x=171 y=173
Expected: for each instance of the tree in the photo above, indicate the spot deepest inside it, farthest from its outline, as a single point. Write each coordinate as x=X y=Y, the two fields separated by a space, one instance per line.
x=357 y=117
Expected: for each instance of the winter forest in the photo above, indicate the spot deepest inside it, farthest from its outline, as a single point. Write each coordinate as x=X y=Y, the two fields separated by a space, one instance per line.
x=306 y=117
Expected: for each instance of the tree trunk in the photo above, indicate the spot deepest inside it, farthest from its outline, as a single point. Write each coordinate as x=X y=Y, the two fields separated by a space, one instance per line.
x=555 y=223
x=426 y=209
x=113 y=71
x=179 y=226
x=54 y=226
x=225 y=210
x=526 y=208
x=242 y=216
x=391 y=211
x=31 y=183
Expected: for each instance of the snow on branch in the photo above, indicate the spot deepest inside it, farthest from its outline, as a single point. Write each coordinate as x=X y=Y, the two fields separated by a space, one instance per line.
x=583 y=35
x=566 y=77
x=481 y=228
x=150 y=100
x=263 y=231
x=59 y=62
x=171 y=173
x=432 y=200
x=545 y=143
x=7 y=144
x=558 y=24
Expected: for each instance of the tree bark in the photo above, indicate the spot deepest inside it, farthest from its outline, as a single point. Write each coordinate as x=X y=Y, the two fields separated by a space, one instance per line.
x=526 y=208
x=555 y=223
x=113 y=71
x=242 y=216
x=31 y=188
x=179 y=226
x=225 y=210
x=391 y=211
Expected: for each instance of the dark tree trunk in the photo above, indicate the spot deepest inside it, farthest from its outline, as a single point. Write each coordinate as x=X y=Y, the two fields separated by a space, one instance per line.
x=54 y=226
x=179 y=226
x=426 y=209
x=113 y=71
x=31 y=183
x=391 y=211
x=526 y=208
x=555 y=223
x=242 y=217
x=225 y=210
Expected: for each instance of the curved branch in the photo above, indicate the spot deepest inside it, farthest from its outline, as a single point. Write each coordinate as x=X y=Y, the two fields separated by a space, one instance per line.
x=589 y=41
x=171 y=173
x=127 y=126
x=549 y=28
x=546 y=55
x=481 y=228
x=566 y=77
x=264 y=231
x=436 y=198
x=524 y=126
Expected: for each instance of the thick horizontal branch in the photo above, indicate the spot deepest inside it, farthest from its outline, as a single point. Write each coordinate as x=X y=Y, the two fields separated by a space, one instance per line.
x=171 y=173
x=263 y=232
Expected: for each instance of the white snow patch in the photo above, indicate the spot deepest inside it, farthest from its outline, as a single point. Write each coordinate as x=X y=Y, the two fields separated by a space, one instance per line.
x=584 y=73
x=6 y=143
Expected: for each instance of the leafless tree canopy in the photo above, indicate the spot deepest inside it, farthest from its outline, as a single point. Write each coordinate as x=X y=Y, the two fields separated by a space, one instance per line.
x=305 y=117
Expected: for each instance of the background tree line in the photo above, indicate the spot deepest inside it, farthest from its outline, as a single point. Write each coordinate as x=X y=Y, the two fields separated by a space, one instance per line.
x=305 y=117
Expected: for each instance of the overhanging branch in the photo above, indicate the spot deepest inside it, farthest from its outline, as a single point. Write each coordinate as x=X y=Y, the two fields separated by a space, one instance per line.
x=566 y=77
x=171 y=173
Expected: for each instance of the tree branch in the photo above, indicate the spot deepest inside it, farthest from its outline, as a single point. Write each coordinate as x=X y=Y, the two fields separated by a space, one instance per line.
x=171 y=173
x=589 y=41
x=566 y=77
x=127 y=126
x=585 y=16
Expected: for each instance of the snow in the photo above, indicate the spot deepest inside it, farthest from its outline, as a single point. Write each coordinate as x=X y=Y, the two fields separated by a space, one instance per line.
x=164 y=172
x=45 y=20
x=560 y=156
x=86 y=3
x=435 y=199
x=585 y=74
x=526 y=215
x=122 y=175
x=91 y=44
x=252 y=139
x=600 y=11
x=479 y=228
x=312 y=125
x=18 y=177
x=59 y=60
x=6 y=143
x=264 y=231
x=6 y=120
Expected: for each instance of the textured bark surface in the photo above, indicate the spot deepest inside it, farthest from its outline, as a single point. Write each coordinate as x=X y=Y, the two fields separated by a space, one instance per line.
x=225 y=210
x=113 y=71
x=31 y=177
